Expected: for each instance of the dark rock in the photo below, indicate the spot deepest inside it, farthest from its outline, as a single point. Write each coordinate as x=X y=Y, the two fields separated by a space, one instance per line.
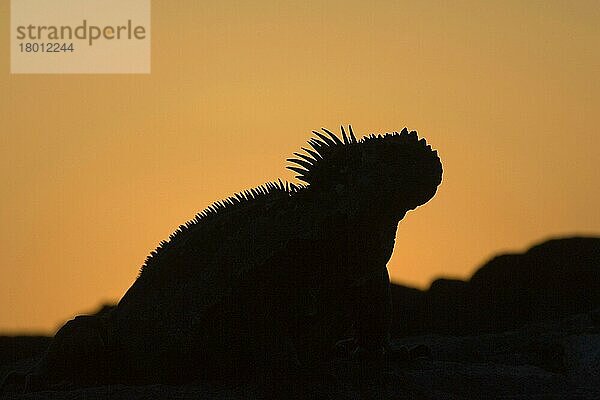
x=553 y=280
x=13 y=348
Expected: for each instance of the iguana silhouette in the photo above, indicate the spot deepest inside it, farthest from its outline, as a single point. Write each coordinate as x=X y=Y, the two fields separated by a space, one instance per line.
x=269 y=278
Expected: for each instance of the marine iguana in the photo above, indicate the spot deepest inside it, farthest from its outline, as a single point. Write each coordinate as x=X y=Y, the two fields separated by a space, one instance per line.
x=269 y=278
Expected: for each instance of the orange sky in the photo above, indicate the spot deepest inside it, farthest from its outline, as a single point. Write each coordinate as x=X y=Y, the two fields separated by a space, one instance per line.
x=97 y=169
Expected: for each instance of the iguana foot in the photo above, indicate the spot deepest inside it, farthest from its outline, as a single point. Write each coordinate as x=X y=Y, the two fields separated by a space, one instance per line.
x=305 y=384
x=407 y=354
x=29 y=382
x=13 y=382
x=36 y=382
x=349 y=349
x=419 y=352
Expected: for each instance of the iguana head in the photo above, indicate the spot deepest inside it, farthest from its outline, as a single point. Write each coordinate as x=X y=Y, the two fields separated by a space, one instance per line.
x=389 y=173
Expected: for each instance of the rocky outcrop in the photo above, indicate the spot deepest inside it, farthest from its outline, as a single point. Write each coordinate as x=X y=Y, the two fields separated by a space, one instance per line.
x=552 y=280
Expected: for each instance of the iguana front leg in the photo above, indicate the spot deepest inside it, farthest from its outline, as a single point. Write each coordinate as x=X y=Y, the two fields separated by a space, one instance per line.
x=373 y=312
x=373 y=322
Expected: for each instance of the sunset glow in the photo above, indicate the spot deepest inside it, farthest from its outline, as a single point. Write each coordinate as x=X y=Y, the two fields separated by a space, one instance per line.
x=98 y=169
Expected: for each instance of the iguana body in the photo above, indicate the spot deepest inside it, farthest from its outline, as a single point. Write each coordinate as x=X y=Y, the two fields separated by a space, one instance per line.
x=270 y=278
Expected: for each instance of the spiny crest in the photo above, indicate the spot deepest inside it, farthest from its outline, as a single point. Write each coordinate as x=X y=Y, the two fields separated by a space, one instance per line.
x=322 y=146
x=266 y=190
x=328 y=152
x=269 y=190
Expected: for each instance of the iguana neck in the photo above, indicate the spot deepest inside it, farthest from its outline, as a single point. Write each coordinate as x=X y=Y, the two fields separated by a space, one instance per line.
x=370 y=212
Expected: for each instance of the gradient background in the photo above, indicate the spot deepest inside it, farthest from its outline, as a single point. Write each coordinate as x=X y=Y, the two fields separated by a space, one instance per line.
x=96 y=170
